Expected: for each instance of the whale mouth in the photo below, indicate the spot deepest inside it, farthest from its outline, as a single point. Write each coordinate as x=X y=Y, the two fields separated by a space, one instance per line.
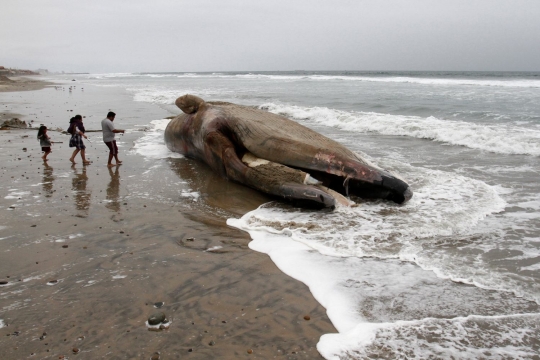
x=390 y=188
x=318 y=189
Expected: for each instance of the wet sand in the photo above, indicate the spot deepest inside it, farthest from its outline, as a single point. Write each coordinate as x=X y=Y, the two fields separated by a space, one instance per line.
x=88 y=251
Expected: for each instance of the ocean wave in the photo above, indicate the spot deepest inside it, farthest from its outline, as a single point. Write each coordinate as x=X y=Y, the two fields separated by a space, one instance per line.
x=430 y=81
x=168 y=97
x=502 y=139
x=361 y=264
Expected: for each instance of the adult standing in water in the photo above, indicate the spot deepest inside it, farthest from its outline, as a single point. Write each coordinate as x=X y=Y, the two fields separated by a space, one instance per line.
x=109 y=133
x=76 y=129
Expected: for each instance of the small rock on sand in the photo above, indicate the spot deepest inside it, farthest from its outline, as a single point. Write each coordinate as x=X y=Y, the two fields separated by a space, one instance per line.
x=156 y=319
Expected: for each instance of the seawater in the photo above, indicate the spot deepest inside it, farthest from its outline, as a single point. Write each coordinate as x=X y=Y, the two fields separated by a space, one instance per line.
x=453 y=273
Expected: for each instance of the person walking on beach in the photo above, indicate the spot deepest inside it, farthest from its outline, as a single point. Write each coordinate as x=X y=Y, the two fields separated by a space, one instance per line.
x=44 y=141
x=109 y=133
x=76 y=129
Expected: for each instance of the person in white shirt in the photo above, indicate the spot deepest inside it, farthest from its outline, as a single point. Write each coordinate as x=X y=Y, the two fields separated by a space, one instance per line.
x=108 y=137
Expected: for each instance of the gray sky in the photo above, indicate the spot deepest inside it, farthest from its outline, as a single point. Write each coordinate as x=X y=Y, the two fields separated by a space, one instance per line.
x=250 y=35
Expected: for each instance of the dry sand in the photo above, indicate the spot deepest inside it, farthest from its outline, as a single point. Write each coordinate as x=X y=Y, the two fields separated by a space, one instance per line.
x=115 y=241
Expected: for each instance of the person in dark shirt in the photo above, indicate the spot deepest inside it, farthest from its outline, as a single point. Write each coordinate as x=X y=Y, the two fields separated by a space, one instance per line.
x=77 y=133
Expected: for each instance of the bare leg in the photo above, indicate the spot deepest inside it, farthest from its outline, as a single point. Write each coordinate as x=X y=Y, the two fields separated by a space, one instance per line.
x=109 y=163
x=83 y=157
x=72 y=158
x=118 y=162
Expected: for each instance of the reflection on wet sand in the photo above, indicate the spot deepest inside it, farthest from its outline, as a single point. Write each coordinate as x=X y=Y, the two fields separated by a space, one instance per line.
x=215 y=191
x=82 y=195
x=48 y=179
x=113 y=190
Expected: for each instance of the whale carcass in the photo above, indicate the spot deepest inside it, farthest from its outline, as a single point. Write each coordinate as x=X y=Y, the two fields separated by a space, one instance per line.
x=276 y=155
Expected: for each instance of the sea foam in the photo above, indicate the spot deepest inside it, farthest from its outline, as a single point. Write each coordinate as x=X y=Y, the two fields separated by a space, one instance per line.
x=152 y=144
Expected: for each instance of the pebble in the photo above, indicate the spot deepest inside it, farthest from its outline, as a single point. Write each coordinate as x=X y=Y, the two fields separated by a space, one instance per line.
x=212 y=343
x=155 y=356
x=250 y=351
x=64 y=246
x=3 y=282
x=75 y=350
x=306 y=317
x=156 y=319
x=159 y=304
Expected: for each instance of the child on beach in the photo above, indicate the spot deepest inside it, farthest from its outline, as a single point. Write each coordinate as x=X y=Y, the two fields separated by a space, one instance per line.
x=76 y=128
x=44 y=141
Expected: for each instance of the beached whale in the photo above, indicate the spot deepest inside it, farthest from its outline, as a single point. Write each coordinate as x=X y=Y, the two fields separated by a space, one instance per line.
x=276 y=155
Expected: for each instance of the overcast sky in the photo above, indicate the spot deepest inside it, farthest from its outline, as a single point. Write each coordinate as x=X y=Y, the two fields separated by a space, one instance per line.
x=250 y=35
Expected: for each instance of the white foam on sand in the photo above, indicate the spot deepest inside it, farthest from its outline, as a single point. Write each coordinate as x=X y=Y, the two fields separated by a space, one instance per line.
x=2 y=323
x=15 y=194
x=473 y=337
x=502 y=139
x=191 y=194
x=152 y=144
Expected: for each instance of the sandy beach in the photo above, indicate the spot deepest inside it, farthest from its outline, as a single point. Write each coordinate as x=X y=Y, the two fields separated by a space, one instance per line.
x=89 y=253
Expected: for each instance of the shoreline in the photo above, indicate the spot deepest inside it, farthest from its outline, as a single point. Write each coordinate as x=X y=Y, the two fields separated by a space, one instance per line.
x=87 y=251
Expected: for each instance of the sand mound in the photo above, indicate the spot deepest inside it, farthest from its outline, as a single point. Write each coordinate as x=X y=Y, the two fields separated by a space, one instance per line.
x=5 y=79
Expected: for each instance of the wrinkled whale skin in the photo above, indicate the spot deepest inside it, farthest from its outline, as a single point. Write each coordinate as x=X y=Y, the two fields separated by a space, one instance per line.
x=222 y=134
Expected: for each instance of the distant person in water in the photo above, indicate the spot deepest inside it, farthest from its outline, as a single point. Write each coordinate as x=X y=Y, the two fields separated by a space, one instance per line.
x=44 y=141
x=109 y=133
x=76 y=129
